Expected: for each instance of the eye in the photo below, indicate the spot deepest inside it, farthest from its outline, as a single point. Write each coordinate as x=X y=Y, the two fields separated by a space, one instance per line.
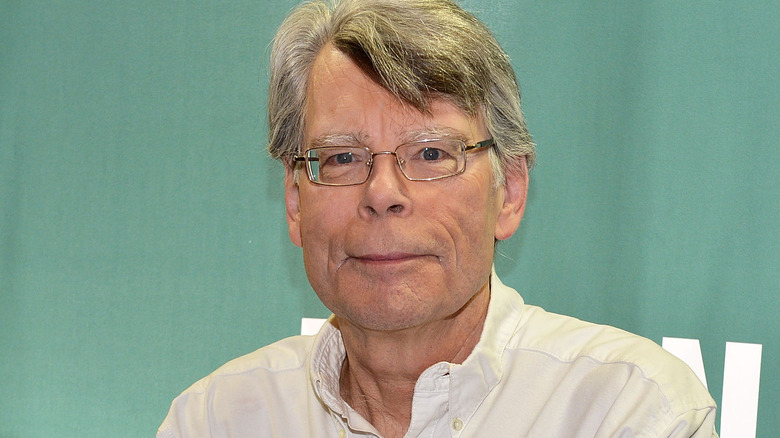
x=339 y=157
x=343 y=158
x=429 y=152
x=432 y=154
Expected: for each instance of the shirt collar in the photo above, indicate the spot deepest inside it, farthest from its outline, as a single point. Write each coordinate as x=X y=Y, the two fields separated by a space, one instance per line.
x=472 y=380
x=327 y=355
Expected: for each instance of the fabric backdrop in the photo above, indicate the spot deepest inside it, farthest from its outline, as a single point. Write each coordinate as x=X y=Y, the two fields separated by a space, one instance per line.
x=142 y=233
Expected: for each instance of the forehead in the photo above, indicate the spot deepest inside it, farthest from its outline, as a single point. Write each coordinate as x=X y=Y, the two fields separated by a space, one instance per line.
x=342 y=102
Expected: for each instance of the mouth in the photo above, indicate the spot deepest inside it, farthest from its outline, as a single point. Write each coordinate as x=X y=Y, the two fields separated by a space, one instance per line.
x=390 y=258
x=387 y=250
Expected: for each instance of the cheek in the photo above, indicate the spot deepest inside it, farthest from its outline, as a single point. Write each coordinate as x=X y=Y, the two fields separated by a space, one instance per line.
x=478 y=206
x=323 y=220
x=469 y=222
x=317 y=235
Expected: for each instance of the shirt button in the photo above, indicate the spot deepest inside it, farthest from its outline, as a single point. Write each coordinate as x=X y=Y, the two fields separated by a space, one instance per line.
x=342 y=433
x=457 y=424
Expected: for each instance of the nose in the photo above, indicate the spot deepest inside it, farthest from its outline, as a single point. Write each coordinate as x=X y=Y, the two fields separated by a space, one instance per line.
x=386 y=191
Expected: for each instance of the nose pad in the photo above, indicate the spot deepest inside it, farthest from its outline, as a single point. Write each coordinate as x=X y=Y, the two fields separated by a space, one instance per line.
x=396 y=162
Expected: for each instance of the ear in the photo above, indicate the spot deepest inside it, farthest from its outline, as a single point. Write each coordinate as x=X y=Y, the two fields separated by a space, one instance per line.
x=291 y=200
x=515 y=194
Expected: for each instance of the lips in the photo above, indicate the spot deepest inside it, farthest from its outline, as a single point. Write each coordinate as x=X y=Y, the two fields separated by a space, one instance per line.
x=387 y=248
x=397 y=266
x=390 y=257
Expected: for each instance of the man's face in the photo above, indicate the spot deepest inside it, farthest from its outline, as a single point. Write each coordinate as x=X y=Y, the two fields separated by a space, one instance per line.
x=392 y=253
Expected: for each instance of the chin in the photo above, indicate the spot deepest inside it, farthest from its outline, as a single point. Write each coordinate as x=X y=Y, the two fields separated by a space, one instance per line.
x=382 y=323
x=380 y=314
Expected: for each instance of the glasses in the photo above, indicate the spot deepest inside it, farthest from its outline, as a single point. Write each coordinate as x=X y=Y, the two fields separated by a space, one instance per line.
x=424 y=160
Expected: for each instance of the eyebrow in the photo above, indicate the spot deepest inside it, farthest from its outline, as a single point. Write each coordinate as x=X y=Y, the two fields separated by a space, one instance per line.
x=360 y=138
x=340 y=139
x=433 y=132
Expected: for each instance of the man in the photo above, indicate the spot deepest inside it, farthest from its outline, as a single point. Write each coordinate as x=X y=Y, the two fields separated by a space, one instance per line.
x=407 y=159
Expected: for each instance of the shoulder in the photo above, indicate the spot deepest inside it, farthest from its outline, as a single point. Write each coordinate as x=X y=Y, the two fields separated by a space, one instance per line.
x=569 y=338
x=618 y=368
x=284 y=356
x=288 y=353
x=617 y=377
x=244 y=394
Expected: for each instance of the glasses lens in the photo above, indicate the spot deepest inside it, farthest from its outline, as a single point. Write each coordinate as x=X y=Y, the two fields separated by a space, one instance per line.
x=432 y=159
x=337 y=165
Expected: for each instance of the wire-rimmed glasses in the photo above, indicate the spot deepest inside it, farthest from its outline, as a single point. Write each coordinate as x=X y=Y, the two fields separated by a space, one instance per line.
x=424 y=160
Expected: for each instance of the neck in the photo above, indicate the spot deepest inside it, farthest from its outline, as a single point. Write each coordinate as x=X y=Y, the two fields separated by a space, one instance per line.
x=382 y=367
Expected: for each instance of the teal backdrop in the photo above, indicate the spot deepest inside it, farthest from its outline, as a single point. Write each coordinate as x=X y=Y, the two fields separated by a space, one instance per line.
x=142 y=233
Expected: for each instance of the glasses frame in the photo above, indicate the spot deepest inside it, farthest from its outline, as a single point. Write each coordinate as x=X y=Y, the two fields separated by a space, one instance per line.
x=370 y=163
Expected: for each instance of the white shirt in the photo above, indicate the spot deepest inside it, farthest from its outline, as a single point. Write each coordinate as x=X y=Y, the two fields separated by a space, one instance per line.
x=532 y=374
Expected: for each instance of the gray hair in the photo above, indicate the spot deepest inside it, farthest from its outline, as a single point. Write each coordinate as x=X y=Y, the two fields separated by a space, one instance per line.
x=418 y=50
